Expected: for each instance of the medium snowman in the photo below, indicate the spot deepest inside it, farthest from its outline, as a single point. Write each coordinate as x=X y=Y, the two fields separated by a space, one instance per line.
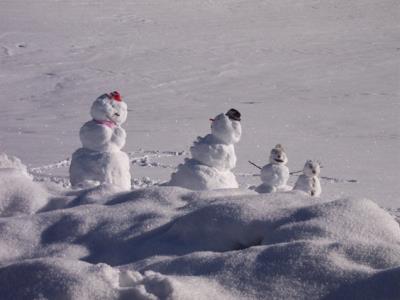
x=100 y=161
x=213 y=156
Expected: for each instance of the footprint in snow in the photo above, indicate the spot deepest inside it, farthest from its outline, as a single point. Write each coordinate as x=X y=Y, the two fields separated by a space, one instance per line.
x=134 y=285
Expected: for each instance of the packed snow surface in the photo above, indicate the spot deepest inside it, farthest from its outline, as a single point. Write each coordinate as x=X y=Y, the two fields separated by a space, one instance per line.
x=172 y=243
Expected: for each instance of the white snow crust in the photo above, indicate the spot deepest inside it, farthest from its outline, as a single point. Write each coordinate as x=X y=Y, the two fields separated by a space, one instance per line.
x=172 y=243
x=18 y=193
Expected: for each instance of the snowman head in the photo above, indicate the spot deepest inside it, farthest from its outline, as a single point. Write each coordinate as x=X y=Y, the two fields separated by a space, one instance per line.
x=109 y=107
x=278 y=155
x=312 y=168
x=226 y=127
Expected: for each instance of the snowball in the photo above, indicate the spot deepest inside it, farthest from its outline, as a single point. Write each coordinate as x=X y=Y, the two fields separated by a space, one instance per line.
x=104 y=108
x=98 y=137
x=91 y=168
x=274 y=177
x=209 y=152
x=226 y=130
x=195 y=176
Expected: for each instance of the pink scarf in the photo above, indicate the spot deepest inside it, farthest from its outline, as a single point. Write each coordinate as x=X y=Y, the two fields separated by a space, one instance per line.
x=107 y=123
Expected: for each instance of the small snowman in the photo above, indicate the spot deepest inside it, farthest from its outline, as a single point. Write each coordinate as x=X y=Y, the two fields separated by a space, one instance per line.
x=309 y=182
x=213 y=156
x=274 y=176
x=100 y=160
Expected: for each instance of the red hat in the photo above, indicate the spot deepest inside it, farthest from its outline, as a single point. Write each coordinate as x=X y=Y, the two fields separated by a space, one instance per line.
x=115 y=96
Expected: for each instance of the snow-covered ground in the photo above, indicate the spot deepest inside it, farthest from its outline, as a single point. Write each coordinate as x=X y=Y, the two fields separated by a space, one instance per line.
x=171 y=243
x=320 y=77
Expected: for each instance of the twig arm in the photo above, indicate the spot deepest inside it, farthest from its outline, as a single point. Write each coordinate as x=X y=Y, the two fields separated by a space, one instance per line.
x=258 y=167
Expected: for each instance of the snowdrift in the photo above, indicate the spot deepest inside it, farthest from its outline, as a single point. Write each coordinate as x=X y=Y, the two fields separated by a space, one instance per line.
x=18 y=193
x=171 y=243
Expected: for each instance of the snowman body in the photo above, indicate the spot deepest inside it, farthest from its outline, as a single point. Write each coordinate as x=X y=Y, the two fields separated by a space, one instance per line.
x=102 y=137
x=274 y=178
x=211 y=152
x=100 y=160
x=213 y=158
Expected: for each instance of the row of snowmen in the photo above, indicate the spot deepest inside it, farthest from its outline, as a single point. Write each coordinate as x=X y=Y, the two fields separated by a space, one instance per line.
x=100 y=161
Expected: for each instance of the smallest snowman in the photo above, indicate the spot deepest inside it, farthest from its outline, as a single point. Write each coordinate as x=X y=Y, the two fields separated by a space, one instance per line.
x=309 y=182
x=274 y=176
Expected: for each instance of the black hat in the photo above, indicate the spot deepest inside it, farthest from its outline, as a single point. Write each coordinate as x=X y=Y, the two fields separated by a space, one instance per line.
x=233 y=114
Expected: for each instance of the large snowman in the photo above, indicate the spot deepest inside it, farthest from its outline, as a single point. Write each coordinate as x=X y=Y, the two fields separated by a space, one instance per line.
x=100 y=161
x=213 y=157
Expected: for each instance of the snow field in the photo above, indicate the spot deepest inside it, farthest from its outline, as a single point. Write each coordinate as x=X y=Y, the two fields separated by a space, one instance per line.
x=320 y=77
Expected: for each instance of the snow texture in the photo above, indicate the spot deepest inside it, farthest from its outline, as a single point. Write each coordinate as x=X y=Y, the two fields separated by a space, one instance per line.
x=171 y=243
x=18 y=193
x=213 y=158
x=100 y=160
x=8 y=162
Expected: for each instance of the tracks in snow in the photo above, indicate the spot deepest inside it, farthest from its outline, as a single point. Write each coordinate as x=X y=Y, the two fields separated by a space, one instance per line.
x=147 y=157
x=141 y=158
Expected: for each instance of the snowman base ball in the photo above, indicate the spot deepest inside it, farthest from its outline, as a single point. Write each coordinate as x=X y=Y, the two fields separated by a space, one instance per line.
x=92 y=168
x=196 y=176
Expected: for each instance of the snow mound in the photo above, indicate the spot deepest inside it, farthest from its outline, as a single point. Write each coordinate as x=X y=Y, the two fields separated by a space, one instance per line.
x=172 y=243
x=72 y=279
x=12 y=162
x=18 y=193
